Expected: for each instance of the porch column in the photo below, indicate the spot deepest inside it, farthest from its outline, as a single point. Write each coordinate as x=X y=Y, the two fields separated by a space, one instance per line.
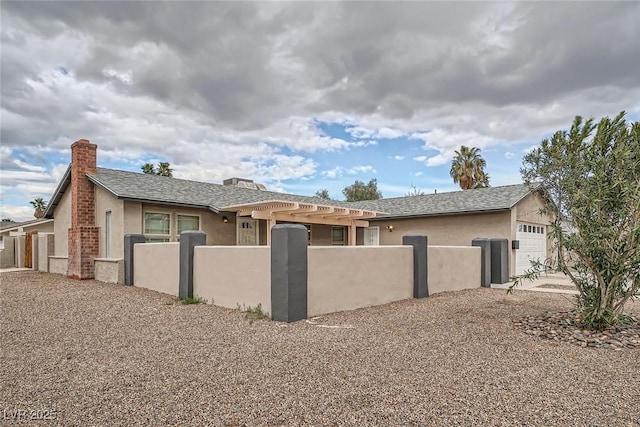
x=270 y=223
x=352 y=234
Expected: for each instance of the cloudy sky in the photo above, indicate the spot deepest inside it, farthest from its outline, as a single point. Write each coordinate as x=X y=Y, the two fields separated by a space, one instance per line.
x=303 y=96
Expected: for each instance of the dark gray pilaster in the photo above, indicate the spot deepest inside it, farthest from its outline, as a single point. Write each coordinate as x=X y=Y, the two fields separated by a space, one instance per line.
x=485 y=260
x=499 y=261
x=420 y=272
x=289 y=272
x=129 y=241
x=188 y=241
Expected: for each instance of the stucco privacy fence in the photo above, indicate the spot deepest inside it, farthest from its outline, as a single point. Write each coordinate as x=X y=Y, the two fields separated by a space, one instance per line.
x=293 y=281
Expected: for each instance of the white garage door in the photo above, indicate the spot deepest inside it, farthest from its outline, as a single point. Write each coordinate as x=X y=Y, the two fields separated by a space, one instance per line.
x=533 y=245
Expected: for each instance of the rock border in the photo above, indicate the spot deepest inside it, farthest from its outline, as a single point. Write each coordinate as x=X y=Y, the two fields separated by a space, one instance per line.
x=560 y=327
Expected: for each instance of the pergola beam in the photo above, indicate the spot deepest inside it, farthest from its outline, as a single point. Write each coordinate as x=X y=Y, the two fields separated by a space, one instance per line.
x=286 y=217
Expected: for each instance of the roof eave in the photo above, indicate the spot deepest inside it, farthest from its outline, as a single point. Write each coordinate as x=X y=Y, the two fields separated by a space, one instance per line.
x=534 y=187
x=57 y=194
x=388 y=217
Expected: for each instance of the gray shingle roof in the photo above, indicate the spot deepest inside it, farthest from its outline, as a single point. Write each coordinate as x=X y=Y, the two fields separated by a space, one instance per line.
x=174 y=191
x=480 y=200
x=159 y=189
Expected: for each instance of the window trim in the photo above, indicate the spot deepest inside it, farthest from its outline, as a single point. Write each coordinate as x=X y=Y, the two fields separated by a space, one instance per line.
x=344 y=235
x=178 y=215
x=149 y=237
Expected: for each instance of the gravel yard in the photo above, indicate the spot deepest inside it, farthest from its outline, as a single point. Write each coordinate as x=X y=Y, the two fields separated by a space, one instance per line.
x=92 y=354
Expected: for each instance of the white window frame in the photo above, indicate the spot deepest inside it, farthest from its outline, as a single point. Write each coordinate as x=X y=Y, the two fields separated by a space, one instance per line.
x=178 y=215
x=156 y=238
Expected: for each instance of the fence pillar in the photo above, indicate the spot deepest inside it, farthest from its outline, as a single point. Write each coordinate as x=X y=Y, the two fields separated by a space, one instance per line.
x=34 y=251
x=485 y=260
x=45 y=250
x=188 y=241
x=129 y=241
x=289 y=268
x=420 y=268
x=499 y=261
x=7 y=255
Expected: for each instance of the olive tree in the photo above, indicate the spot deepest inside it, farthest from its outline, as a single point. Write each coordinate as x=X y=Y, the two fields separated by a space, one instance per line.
x=359 y=191
x=590 y=179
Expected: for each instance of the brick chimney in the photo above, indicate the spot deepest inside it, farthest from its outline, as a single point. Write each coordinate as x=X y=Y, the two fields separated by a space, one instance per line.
x=83 y=234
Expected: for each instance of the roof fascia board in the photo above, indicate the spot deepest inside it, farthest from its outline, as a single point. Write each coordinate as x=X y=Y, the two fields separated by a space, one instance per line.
x=532 y=190
x=101 y=185
x=57 y=194
x=383 y=218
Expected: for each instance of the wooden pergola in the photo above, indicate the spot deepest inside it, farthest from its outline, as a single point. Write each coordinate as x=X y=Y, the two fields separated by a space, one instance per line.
x=305 y=213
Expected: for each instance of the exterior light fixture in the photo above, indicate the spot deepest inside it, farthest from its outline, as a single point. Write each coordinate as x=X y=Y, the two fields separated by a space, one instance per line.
x=225 y=219
x=390 y=228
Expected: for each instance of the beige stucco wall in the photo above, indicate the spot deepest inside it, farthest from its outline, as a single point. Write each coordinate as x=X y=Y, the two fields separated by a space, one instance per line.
x=45 y=250
x=452 y=268
x=450 y=230
x=106 y=202
x=8 y=255
x=349 y=277
x=58 y=264
x=156 y=266
x=109 y=270
x=132 y=222
x=232 y=276
x=62 y=223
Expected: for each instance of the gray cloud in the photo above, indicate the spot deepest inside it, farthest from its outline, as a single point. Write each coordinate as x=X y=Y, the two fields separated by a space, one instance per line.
x=214 y=84
x=247 y=65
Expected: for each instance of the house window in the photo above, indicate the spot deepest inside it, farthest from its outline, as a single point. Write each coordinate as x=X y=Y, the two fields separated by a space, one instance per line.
x=107 y=233
x=188 y=223
x=337 y=236
x=157 y=227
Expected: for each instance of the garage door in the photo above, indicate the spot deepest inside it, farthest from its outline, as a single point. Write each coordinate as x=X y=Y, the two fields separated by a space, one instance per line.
x=533 y=245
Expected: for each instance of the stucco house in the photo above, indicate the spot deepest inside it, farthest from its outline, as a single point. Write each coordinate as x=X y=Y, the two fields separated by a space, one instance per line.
x=93 y=208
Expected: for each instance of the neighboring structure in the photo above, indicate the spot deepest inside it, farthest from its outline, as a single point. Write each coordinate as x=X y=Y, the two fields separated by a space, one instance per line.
x=93 y=208
x=32 y=226
x=13 y=241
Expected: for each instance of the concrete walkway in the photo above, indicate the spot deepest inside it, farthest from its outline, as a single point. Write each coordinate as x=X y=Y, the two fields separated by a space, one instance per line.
x=12 y=269
x=556 y=283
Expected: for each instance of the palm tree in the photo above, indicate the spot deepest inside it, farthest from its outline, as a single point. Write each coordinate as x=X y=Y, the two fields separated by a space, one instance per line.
x=148 y=168
x=40 y=205
x=467 y=168
x=164 y=169
x=482 y=180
